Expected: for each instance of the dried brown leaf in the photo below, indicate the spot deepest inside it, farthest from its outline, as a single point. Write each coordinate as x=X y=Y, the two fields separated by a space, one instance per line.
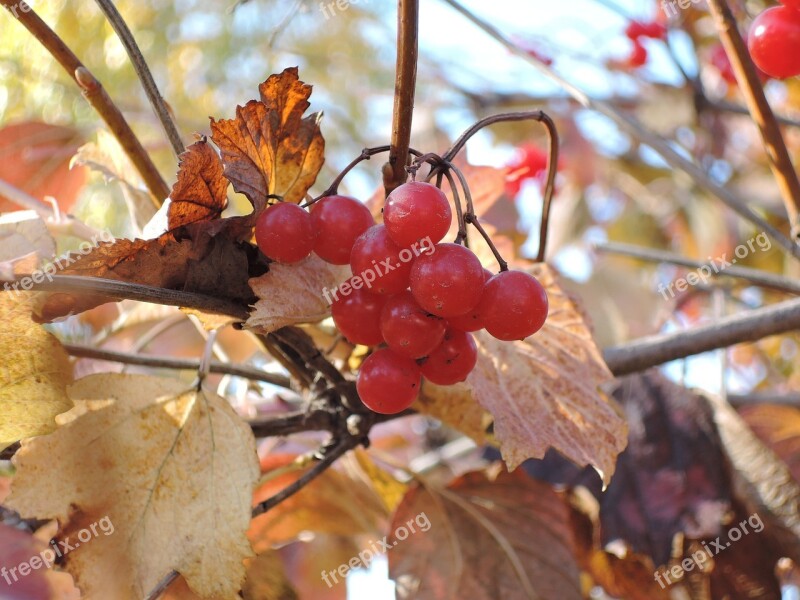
x=292 y=294
x=486 y=538
x=269 y=148
x=545 y=392
x=200 y=193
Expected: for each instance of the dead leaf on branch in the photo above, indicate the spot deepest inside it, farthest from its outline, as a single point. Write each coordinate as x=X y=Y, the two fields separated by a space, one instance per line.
x=140 y=452
x=200 y=257
x=545 y=391
x=34 y=375
x=488 y=536
x=292 y=294
x=200 y=193
x=269 y=148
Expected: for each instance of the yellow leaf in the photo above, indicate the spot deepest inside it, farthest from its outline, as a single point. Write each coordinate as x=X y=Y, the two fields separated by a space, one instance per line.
x=167 y=474
x=269 y=148
x=34 y=374
x=453 y=405
x=545 y=390
x=291 y=294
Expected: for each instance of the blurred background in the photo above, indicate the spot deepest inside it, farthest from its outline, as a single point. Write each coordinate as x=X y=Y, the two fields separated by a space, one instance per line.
x=207 y=57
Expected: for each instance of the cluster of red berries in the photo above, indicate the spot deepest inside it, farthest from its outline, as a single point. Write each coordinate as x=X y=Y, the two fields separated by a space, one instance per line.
x=774 y=40
x=419 y=296
x=636 y=31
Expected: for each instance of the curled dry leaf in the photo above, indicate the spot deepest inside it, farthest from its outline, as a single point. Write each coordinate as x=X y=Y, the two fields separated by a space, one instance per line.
x=34 y=376
x=292 y=294
x=201 y=257
x=163 y=473
x=200 y=193
x=269 y=148
x=545 y=390
x=484 y=537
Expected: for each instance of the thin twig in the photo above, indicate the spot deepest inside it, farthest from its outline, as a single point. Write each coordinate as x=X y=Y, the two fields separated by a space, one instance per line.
x=394 y=173
x=167 y=362
x=779 y=160
x=748 y=326
x=552 y=160
x=143 y=71
x=331 y=456
x=632 y=126
x=97 y=96
x=123 y=290
x=756 y=276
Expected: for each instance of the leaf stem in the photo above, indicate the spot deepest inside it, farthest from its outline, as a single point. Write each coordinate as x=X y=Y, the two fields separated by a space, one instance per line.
x=97 y=96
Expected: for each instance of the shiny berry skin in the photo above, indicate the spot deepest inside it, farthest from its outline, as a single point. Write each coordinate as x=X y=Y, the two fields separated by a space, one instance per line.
x=357 y=315
x=793 y=4
x=387 y=382
x=383 y=265
x=284 y=233
x=513 y=306
x=338 y=221
x=417 y=211
x=638 y=56
x=774 y=42
x=472 y=321
x=447 y=282
x=453 y=360
x=408 y=329
x=637 y=29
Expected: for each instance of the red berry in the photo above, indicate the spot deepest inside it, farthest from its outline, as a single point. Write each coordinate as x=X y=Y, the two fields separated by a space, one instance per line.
x=382 y=264
x=448 y=282
x=417 y=211
x=529 y=162
x=387 y=382
x=719 y=60
x=284 y=233
x=652 y=29
x=513 y=305
x=774 y=42
x=472 y=321
x=453 y=360
x=638 y=56
x=338 y=221
x=357 y=315
x=793 y=4
x=408 y=329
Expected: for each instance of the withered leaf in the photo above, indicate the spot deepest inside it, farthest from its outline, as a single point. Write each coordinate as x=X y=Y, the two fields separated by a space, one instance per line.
x=162 y=474
x=292 y=294
x=484 y=538
x=545 y=390
x=269 y=148
x=200 y=257
x=200 y=193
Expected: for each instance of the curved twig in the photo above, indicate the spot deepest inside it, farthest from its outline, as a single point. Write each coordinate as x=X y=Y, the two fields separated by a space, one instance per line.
x=143 y=71
x=552 y=160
